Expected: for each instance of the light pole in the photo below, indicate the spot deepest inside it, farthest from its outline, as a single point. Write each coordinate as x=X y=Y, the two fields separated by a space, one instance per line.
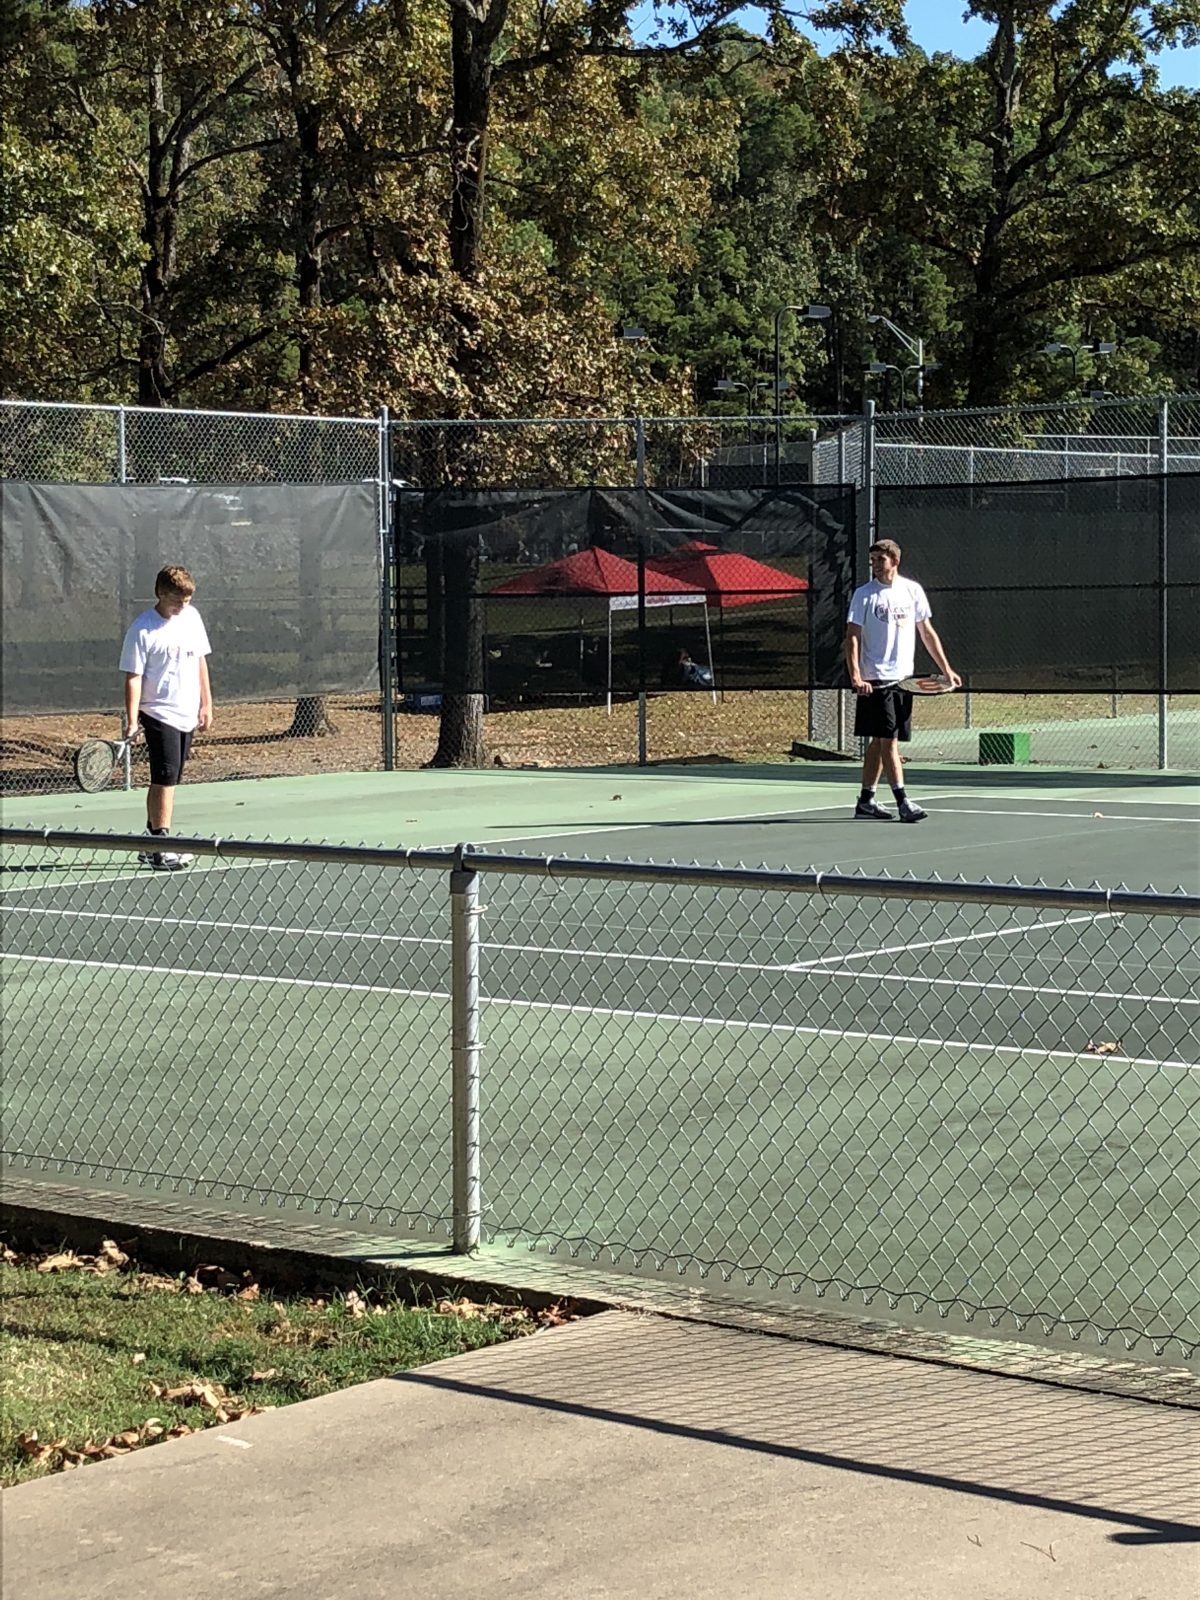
x=808 y=313
x=880 y=367
x=915 y=347
x=1092 y=347
x=886 y=366
x=728 y=385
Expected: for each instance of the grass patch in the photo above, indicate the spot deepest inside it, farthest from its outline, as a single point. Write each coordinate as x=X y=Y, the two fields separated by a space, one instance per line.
x=101 y=1357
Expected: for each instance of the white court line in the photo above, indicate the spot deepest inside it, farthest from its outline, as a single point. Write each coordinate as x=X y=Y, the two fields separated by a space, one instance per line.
x=665 y=822
x=630 y=956
x=78 y=883
x=956 y=940
x=142 y=875
x=734 y=1024
x=1068 y=816
x=229 y=977
x=1020 y=988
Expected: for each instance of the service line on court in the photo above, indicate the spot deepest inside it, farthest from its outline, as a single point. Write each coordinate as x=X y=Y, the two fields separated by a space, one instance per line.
x=827 y=966
x=142 y=875
x=951 y=939
x=616 y=1013
x=1067 y=816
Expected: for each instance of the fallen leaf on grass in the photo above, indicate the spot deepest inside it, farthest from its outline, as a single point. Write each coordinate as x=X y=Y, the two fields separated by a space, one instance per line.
x=110 y=1255
x=551 y=1316
x=196 y=1393
x=1106 y=1047
x=262 y=1377
x=250 y=1292
x=468 y=1310
x=66 y=1261
x=35 y=1449
x=156 y=1280
x=355 y=1304
x=138 y=1357
x=58 y=1455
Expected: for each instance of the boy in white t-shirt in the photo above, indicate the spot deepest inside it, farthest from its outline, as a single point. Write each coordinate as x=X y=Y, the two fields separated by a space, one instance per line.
x=167 y=696
x=886 y=615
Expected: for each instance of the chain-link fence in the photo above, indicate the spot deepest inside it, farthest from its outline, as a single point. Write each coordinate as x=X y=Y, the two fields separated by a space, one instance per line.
x=1021 y=444
x=282 y=520
x=965 y=1102
x=210 y=454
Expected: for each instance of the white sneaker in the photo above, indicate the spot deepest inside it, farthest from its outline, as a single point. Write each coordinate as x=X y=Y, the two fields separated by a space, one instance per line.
x=170 y=861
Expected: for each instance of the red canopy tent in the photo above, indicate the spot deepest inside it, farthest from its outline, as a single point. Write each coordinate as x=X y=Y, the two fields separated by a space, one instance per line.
x=727 y=577
x=596 y=573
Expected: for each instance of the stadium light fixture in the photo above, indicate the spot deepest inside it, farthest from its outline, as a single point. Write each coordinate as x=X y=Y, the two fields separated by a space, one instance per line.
x=915 y=347
x=812 y=312
x=1091 y=347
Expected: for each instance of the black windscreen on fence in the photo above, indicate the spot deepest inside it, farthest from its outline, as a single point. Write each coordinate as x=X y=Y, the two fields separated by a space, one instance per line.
x=1087 y=585
x=287 y=583
x=524 y=594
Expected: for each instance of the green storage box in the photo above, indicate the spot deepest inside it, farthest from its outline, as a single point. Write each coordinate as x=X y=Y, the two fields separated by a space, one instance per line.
x=1004 y=748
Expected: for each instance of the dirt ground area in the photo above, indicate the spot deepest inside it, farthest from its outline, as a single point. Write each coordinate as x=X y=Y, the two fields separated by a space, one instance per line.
x=254 y=740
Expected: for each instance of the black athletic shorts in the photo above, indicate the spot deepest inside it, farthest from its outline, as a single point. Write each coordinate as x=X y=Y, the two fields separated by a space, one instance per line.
x=167 y=748
x=885 y=713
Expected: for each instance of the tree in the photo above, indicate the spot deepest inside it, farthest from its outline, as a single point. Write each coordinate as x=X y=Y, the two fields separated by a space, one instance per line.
x=70 y=233
x=1049 y=171
x=553 y=37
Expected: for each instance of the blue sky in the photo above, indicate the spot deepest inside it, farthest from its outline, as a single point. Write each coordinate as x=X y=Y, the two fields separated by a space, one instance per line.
x=938 y=25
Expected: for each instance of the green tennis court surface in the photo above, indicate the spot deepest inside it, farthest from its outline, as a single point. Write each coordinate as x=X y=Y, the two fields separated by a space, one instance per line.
x=900 y=1100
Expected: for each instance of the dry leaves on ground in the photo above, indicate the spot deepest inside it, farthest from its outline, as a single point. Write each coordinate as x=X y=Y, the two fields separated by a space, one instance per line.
x=474 y=1310
x=203 y=1392
x=108 y=1257
x=57 y=1454
x=1105 y=1047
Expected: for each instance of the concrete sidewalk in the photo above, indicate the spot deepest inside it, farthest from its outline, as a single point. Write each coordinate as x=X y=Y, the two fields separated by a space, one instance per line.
x=630 y=1455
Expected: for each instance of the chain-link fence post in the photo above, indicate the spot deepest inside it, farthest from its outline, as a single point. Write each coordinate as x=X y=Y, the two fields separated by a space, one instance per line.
x=387 y=545
x=640 y=429
x=465 y=912
x=122 y=474
x=1164 y=467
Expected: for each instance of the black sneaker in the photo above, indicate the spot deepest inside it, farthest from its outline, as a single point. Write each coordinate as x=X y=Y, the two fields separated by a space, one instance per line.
x=912 y=813
x=868 y=811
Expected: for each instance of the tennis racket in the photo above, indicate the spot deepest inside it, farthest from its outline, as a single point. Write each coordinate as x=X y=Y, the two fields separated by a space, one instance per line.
x=933 y=684
x=97 y=762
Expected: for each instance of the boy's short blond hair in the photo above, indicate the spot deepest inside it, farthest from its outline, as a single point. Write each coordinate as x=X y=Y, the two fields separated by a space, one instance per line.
x=174 y=580
x=886 y=547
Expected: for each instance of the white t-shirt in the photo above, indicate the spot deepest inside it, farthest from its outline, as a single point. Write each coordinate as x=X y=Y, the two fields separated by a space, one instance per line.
x=166 y=651
x=888 y=614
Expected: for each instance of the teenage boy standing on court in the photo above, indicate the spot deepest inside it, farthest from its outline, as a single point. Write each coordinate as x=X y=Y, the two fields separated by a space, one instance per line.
x=885 y=618
x=167 y=695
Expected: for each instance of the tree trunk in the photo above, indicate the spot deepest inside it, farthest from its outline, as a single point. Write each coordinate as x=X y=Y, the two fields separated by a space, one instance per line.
x=991 y=332
x=460 y=733
x=158 y=230
x=308 y=245
x=310 y=720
